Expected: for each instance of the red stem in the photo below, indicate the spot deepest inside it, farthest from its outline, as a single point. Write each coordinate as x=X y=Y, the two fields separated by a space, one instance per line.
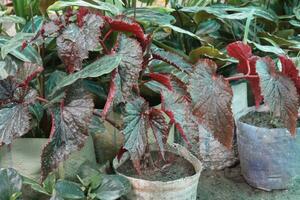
x=42 y=99
x=107 y=35
x=104 y=46
x=243 y=76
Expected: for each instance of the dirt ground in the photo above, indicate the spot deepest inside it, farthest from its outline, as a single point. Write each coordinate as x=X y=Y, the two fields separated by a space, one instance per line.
x=230 y=185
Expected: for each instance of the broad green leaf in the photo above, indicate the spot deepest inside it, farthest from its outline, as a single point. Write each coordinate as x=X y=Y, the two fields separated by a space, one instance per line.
x=53 y=80
x=29 y=54
x=208 y=26
x=10 y=184
x=59 y=5
x=212 y=99
x=34 y=25
x=269 y=49
x=35 y=186
x=98 y=68
x=278 y=40
x=279 y=92
x=68 y=190
x=135 y=127
x=151 y=16
x=295 y=23
x=221 y=11
x=14 y=43
x=180 y=30
x=112 y=187
x=37 y=111
x=296 y=11
x=69 y=130
x=12 y=19
x=207 y=51
x=49 y=183
x=90 y=177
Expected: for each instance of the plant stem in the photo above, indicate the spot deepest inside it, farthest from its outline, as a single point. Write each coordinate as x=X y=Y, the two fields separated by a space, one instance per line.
x=104 y=46
x=107 y=35
x=42 y=99
x=243 y=76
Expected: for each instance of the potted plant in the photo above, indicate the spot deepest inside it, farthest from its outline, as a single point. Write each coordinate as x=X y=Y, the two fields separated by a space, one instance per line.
x=267 y=141
x=123 y=52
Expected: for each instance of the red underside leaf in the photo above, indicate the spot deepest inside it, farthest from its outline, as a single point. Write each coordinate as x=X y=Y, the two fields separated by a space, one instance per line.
x=279 y=93
x=289 y=69
x=243 y=53
x=111 y=94
x=239 y=50
x=254 y=82
x=125 y=24
x=162 y=79
x=82 y=12
x=212 y=98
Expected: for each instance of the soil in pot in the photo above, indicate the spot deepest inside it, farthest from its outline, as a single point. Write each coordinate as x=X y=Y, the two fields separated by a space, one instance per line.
x=264 y=120
x=177 y=167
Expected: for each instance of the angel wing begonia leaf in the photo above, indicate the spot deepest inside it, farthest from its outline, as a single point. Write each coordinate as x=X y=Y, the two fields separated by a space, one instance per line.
x=7 y=89
x=172 y=59
x=159 y=126
x=289 y=69
x=243 y=53
x=279 y=92
x=92 y=30
x=69 y=129
x=14 y=122
x=27 y=72
x=212 y=98
x=178 y=109
x=71 y=48
x=131 y=54
x=135 y=128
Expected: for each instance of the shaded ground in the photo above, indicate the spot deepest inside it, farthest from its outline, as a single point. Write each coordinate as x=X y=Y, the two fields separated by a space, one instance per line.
x=230 y=185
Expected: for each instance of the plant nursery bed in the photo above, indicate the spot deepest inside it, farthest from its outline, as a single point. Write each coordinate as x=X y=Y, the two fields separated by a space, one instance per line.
x=229 y=184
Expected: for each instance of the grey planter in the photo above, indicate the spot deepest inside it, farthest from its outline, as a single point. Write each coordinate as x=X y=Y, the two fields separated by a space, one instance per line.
x=269 y=157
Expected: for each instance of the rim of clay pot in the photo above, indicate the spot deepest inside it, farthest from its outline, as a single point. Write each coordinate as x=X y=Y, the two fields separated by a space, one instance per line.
x=262 y=109
x=172 y=148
